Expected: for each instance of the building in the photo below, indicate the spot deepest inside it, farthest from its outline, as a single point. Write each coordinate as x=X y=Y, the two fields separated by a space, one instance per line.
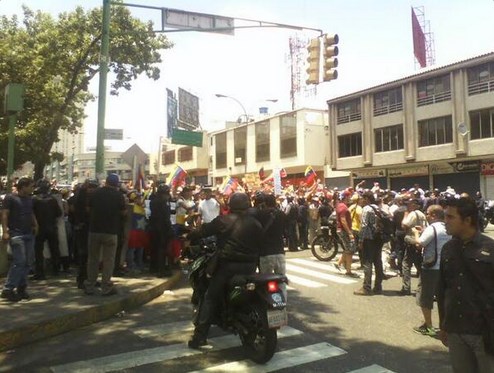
x=70 y=145
x=435 y=128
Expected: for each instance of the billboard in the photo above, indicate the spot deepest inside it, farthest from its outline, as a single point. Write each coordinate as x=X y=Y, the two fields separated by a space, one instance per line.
x=188 y=110
x=418 y=41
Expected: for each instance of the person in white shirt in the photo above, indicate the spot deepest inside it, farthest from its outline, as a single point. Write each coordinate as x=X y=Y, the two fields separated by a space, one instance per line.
x=431 y=239
x=209 y=208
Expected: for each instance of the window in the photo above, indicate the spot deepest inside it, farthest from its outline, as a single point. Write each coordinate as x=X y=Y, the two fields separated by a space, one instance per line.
x=349 y=111
x=482 y=124
x=168 y=157
x=388 y=101
x=481 y=79
x=262 y=141
x=288 y=135
x=185 y=154
x=389 y=138
x=221 y=150
x=240 y=145
x=433 y=90
x=435 y=131
x=350 y=145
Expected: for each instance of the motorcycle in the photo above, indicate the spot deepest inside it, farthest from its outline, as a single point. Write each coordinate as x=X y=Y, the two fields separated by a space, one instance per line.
x=326 y=244
x=254 y=305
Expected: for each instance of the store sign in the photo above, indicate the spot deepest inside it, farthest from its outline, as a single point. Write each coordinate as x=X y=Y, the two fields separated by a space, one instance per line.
x=487 y=168
x=367 y=174
x=467 y=166
x=409 y=171
x=441 y=168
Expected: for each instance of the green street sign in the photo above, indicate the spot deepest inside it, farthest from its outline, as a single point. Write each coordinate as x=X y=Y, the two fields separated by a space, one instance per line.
x=190 y=138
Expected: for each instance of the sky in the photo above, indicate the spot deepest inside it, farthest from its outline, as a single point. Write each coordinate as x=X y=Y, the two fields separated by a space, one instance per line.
x=252 y=66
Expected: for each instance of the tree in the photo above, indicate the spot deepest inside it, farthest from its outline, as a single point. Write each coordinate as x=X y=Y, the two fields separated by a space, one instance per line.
x=56 y=59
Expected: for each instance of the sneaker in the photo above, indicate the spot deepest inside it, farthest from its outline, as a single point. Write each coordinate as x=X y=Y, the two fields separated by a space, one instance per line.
x=404 y=292
x=362 y=291
x=22 y=293
x=352 y=274
x=377 y=290
x=337 y=267
x=196 y=343
x=425 y=330
x=111 y=291
x=10 y=295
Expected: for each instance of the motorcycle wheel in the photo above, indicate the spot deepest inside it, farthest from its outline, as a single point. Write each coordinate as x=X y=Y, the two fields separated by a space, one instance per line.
x=260 y=341
x=324 y=248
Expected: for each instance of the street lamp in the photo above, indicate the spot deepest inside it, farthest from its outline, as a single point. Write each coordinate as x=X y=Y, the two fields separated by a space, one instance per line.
x=219 y=95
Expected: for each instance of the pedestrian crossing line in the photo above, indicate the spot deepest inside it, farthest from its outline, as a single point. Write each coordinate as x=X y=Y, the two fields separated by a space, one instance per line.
x=372 y=369
x=281 y=360
x=326 y=266
x=319 y=275
x=163 y=329
x=304 y=282
x=155 y=355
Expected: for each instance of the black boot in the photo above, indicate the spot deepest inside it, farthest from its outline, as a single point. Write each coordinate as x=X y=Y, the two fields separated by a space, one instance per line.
x=10 y=295
x=22 y=293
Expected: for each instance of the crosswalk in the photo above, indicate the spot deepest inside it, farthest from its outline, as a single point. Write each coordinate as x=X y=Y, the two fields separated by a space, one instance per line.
x=309 y=272
x=285 y=358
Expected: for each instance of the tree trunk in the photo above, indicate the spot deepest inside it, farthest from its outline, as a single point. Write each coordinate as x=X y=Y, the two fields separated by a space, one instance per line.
x=39 y=168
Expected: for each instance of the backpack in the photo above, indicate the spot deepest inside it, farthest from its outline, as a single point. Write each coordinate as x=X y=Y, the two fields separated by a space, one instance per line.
x=385 y=227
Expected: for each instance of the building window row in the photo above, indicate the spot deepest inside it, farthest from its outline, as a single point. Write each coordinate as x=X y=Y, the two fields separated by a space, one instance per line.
x=482 y=124
x=435 y=131
x=434 y=90
x=481 y=79
x=388 y=138
x=349 y=111
x=350 y=145
x=389 y=101
x=262 y=141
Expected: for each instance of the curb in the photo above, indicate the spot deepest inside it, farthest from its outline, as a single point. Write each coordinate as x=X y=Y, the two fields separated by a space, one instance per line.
x=58 y=325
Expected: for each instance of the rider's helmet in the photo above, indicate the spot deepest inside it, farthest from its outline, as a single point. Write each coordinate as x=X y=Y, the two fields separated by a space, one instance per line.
x=239 y=202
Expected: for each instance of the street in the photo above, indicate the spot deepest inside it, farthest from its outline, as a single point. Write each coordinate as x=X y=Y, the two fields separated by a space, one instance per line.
x=329 y=329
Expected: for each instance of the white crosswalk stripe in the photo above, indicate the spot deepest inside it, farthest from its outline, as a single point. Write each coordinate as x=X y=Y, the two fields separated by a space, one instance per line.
x=284 y=359
x=305 y=271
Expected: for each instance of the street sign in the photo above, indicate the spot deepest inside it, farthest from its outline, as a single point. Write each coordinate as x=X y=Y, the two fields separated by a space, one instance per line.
x=187 y=137
x=113 y=134
x=189 y=20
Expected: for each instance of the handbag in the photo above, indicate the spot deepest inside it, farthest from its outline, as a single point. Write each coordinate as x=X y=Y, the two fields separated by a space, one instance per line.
x=486 y=306
x=430 y=261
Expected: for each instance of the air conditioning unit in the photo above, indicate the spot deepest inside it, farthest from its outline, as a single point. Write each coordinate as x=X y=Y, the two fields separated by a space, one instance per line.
x=238 y=160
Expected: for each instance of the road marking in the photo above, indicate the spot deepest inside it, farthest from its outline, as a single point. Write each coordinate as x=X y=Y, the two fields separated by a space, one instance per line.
x=154 y=355
x=372 y=369
x=281 y=360
x=304 y=282
x=326 y=266
x=320 y=275
x=163 y=329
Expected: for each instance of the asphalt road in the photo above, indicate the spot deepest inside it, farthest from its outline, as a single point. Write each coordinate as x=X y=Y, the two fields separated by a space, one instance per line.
x=329 y=330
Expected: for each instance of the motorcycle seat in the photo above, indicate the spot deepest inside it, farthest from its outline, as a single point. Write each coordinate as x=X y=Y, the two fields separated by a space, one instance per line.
x=256 y=278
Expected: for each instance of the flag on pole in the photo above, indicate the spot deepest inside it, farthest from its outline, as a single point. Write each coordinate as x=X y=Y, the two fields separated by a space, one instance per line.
x=310 y=175
x=139 y=184
x=176 y=177
x=229 y=185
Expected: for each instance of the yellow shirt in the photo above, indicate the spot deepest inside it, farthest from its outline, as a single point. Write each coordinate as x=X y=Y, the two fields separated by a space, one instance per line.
x=356 y=215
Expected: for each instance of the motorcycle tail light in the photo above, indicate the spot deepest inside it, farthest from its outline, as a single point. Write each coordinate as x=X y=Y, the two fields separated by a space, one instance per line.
x=250 y=286
x=273 y=286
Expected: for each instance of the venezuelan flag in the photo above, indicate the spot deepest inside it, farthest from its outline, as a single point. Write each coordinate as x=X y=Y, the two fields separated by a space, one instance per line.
x=229 y=186
x=139 y=184
x=176 y=177
x=310 y=175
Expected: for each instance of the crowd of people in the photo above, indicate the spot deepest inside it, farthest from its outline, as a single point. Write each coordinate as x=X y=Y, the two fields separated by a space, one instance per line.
x=133 y=231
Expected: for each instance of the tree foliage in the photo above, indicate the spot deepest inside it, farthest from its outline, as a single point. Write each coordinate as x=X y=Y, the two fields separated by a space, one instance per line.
x=56 y=58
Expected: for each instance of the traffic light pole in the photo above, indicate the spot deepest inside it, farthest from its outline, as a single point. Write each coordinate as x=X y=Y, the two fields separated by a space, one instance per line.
x=103 y=72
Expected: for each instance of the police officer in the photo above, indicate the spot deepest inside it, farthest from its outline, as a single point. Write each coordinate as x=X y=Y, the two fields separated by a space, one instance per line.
x=239 y=235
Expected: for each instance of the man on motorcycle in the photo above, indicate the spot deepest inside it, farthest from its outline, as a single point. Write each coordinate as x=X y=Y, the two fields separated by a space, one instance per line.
x=239 y=237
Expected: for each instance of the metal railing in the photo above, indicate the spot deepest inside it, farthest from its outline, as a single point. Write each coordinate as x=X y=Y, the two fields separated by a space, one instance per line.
x=481 y=87
x=349 y=118
x=388 y=109
x=433 y=99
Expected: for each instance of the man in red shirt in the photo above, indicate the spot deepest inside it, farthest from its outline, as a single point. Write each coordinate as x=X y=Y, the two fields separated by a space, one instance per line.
x=344 y=227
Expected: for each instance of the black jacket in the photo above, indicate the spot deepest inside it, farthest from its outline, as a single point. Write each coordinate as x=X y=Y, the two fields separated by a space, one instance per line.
x=239 y=236
x=458 y=303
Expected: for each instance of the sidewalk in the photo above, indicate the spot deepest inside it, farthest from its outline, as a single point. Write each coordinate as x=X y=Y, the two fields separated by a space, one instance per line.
x=57 y=306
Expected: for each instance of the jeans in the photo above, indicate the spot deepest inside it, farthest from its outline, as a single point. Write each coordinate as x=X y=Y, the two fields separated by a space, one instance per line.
x=105 y=245
x=134 y=258
x=303 y=230
x=274 y=264
x=371 y=255
x=51 y=236
x=23 y=258
x=467 y=354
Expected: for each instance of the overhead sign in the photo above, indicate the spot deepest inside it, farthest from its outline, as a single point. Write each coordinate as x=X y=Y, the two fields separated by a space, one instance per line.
x=487 y=168
x=362 y=174
x=188 y=110
x=113 y=134
x=183 y=137
x=466 y=166
x=189 y=20
x=409 y=171
x=171 y=113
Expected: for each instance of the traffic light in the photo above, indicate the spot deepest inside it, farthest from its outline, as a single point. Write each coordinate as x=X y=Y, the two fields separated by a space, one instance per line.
x=330 y=61
x=314 y=50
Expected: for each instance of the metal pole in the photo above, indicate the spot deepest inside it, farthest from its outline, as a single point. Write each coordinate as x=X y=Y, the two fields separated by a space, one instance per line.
x=10 y=150
x=238 y=102
x=103 y=71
